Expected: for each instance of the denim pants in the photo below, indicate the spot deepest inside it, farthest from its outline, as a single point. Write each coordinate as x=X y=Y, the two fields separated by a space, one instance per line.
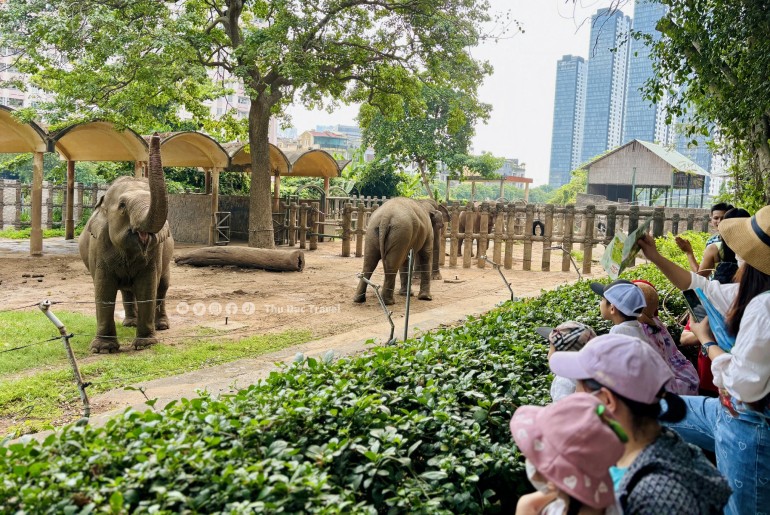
x=741 y=445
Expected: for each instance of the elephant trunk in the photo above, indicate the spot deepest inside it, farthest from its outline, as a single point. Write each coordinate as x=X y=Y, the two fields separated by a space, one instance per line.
x=158 y=212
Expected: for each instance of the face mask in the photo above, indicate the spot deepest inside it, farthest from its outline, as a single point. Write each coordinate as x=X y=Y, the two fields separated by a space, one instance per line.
x=740 y=261
x=540 y=486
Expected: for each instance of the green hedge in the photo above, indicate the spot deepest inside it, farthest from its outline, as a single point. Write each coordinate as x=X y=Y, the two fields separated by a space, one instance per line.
x=422 y=426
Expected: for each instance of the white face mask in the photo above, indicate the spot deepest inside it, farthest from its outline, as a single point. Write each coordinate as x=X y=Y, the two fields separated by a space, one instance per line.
x=739 y=260
x=540 y=486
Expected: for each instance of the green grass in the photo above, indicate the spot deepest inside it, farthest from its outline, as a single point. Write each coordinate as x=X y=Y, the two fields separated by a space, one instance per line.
x=23 y=234
x=43 y=387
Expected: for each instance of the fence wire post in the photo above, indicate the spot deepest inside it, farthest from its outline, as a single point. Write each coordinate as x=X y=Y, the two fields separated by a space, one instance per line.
x=574 y=263
x=376 y=288
x=45 y=308
x=408 y=291
x=497 y=267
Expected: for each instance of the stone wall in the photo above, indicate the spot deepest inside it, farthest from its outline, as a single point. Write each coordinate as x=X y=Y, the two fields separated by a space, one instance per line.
x=189 y=217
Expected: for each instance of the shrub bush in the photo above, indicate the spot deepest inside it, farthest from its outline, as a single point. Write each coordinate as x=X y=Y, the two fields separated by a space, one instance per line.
x=421 y=426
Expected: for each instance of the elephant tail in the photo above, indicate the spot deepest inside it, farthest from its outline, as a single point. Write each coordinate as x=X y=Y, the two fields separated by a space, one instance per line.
x=383 y=232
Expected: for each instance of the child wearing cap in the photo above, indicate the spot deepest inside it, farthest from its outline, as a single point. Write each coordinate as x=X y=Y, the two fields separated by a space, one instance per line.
x=621 y=303
x=568 y=336
x=656 y=333
x=658 y=471
x=569 y=446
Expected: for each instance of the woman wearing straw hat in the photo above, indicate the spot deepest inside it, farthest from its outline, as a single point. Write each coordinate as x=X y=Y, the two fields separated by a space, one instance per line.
x=737 y=425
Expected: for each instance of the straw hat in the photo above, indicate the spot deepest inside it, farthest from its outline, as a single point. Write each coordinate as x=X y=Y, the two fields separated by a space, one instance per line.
x=750 y=238
x=652 y=299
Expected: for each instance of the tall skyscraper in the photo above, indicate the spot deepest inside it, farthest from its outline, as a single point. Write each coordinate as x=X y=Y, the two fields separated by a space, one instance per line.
x=569 y=107
x=606 y=82
x=643 y=120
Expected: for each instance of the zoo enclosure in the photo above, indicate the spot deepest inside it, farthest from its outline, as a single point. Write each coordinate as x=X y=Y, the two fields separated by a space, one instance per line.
x=556 y=228
x=16 y=203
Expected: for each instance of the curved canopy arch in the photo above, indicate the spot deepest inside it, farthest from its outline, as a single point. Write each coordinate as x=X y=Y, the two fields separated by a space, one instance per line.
x=17 y=137
x=99 y=141
x=192 y=148
x=313 y=163
x=240 y=156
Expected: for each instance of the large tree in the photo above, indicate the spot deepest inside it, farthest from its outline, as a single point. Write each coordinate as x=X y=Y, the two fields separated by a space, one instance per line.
x=137 y=62
x=436 y=129
x=714 y=59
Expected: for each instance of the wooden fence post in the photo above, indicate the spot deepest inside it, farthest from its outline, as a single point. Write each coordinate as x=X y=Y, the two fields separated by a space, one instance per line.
x=547 y=236
x=483 y=244
x=303 y=226
x=470 y=216
x=675 y=224
x=360 y=230
x=292 y=224
x=612 y=219
x=510 y=228
x=347 y=216
x=314 y=227
x=569 y=229
x=633 y=218
x=690 y=221
x=658 y=220
x=528 y=237
x=705 y=226
x=588 y=242
x=454 y=224
x=499 y=222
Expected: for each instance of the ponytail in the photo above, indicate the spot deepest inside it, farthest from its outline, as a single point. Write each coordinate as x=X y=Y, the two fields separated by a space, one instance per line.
x=676 y=409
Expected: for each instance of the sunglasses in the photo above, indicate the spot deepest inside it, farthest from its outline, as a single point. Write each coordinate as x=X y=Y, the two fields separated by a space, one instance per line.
x=601 y=410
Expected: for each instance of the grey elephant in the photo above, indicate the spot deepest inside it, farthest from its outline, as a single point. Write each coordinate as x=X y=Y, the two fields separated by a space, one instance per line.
x=399 y=225
x=437 y=241
x=476 y=227
x=127 y=245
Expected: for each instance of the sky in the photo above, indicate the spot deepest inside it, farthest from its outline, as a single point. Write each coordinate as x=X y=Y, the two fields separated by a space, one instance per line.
x=521 y=88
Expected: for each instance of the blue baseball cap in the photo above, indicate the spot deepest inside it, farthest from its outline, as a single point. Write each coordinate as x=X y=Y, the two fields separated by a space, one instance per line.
x=627 y=297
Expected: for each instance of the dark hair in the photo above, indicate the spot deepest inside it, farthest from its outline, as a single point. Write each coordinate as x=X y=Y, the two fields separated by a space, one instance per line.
x=574 y=506
x=722 y=206
x=752 y=283
x=728 y=255
x=640 y=412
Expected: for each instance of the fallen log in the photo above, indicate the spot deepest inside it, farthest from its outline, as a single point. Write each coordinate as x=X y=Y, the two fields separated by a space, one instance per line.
x=245 y=257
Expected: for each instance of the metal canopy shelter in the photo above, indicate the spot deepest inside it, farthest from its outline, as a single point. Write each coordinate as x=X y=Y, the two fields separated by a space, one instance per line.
x=103 y=141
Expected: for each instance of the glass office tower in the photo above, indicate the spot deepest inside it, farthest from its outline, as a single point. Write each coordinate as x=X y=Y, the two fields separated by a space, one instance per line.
x=606 y=82
x=568 y=110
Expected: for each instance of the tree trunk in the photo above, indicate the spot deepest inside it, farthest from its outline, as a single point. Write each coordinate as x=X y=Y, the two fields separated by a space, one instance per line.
x=244 y=257
x=425 y=182
x=260 y=205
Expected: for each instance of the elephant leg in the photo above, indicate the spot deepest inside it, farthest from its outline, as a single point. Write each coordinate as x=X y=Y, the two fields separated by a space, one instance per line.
x=391 y=264
x=438 y=246
x=403 y=273
x=129 y=305
x=106 y=339
x=161 y=319
x=423 y=267
x=371 y=259
x=145 y=290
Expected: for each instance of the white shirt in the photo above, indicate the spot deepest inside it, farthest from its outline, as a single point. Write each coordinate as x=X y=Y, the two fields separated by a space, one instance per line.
x=629 y=328
x=745 y=370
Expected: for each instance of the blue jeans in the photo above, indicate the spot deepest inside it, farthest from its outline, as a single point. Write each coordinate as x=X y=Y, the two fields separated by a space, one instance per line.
x=741 y=445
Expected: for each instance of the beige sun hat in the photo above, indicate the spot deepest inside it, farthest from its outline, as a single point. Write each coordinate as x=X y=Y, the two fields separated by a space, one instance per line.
x=749 y=238
x=652 y=299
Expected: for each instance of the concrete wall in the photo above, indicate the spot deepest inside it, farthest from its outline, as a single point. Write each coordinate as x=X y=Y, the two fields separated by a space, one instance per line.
x=189 y=217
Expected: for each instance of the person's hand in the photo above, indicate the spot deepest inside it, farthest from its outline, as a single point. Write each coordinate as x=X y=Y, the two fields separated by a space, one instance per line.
x=533 y=504
x=684 y=245
x=647 y=245
x=702 y=330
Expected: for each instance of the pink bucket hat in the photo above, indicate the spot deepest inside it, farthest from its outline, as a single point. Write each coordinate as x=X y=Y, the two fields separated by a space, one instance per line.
x=571 y=445
x=624 y=364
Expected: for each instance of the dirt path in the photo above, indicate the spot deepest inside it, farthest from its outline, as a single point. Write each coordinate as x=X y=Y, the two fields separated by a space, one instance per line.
x=247 y=302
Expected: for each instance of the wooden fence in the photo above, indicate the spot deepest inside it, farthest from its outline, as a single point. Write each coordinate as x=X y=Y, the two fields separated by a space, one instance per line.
x=16 y=203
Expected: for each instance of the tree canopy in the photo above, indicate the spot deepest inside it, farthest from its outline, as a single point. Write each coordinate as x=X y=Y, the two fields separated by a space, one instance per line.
x=436 y=130
x=713 y=59
x=143 y=62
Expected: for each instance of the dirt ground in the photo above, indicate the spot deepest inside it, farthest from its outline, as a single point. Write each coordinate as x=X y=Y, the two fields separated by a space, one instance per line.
x=233 y=303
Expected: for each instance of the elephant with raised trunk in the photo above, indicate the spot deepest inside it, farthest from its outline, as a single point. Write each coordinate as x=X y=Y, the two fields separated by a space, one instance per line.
x=399 y=225
x=127 y=246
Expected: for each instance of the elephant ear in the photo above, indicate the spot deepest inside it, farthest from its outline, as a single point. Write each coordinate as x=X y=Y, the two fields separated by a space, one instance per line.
x=98 y=221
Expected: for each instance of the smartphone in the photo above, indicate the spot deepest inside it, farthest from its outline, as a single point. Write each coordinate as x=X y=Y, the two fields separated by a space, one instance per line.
x=697 y=310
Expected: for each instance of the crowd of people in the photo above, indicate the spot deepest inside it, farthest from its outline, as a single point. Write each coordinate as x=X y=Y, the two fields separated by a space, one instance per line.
x=631 y=416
